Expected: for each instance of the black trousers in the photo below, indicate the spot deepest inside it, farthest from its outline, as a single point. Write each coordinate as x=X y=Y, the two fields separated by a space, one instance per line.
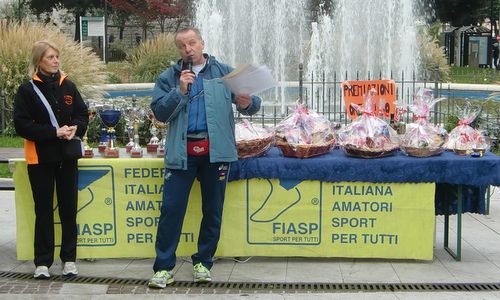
x=42 y=178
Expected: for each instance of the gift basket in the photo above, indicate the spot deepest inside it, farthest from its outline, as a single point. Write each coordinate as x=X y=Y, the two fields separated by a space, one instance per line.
x=368 y=136
x=464 y=139
x=252 y=140
x=423 y=139
x=304 y=133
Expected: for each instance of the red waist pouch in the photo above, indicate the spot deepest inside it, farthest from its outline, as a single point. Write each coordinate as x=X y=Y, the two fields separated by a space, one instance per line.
x=197 y=147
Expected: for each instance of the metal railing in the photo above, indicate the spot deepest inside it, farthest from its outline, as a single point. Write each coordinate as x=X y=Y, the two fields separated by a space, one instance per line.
x=325 y=97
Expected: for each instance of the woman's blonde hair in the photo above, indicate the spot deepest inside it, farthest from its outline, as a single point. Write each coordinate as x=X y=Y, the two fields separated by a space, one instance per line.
x=37 y=53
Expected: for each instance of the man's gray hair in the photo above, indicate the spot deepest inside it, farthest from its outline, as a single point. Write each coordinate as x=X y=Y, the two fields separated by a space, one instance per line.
x=186 y=29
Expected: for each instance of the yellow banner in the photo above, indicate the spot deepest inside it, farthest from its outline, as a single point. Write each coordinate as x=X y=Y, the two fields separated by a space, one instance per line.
x=120 y=200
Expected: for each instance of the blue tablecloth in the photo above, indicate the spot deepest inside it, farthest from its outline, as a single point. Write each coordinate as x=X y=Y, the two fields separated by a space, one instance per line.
x=448 y=171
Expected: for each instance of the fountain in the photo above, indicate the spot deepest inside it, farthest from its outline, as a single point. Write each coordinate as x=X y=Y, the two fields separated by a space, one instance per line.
x=377 y=36
x=272 y=33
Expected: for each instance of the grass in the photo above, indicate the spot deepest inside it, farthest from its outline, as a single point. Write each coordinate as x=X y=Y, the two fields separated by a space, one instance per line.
x=4 y=171
x=9 y=142
x=474 y=75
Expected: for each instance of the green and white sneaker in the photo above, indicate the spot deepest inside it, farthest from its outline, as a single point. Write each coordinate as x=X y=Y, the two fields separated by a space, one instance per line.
x=201 y=274
x=161 y=279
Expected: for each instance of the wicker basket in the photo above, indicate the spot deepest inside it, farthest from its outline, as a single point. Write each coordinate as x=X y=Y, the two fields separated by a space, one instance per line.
x=358 y=152
x=463 y=151
x=253 y=148
x=304 y=150
x=422 y=152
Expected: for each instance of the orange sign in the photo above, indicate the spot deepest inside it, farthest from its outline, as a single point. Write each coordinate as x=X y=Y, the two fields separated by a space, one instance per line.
x=355 y=92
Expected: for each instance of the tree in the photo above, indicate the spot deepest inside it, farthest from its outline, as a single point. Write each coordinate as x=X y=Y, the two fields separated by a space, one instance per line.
x=77 y=7
x=139 y=9
x=120 y=18
x=41 y=7
x=463 y=12
x=147 y=11
x=177 y=11
x=14 y=10
x=491 y=11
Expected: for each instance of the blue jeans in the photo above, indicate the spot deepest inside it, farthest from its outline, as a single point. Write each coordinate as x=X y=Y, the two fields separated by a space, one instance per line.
x=177 y=185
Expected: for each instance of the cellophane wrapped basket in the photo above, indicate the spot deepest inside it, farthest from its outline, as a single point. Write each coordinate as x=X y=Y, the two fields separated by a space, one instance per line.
x=252 y=140
x=464 y=139
x=423 y=139
x=304 y=133
x=368 y=136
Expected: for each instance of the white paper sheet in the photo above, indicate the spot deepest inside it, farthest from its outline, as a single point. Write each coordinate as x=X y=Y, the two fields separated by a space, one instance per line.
x=249 y=79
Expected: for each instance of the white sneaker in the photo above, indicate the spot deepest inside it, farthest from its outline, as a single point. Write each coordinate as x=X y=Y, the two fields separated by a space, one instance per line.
x=70 y=269
x=41 y=272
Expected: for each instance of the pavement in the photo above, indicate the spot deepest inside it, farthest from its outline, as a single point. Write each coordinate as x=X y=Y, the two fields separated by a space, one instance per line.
x=477 y=276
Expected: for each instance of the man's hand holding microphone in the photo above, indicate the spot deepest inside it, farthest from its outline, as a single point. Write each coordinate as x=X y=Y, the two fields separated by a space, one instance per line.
x=187 y=76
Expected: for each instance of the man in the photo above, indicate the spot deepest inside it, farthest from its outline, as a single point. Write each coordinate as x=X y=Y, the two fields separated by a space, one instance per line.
x=200 y=144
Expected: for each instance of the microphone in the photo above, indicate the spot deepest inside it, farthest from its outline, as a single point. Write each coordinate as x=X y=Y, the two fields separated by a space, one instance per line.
x=189 y=66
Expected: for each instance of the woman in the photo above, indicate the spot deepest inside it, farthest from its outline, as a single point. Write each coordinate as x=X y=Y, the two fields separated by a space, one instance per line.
x=42 y=148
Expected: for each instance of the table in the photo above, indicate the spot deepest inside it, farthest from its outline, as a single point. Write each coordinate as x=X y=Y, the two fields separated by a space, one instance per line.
x=136 y=185
x=447 y=168
x=461 y=181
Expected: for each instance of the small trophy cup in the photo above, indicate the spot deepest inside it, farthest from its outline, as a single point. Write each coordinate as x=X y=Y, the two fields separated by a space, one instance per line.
x=88 y=151
x=160 y=152
x=104 y=139
x=130 y=144
x=133 y=117
x=154 y=142
x=110 y=119
x=136 y=150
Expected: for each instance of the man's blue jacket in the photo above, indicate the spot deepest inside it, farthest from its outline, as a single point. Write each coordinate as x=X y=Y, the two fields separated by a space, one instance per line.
x=169 y=105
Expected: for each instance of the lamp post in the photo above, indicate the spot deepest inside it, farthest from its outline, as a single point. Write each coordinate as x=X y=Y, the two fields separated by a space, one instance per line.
x=492 y=34
x=491 y=18
x=106 y=32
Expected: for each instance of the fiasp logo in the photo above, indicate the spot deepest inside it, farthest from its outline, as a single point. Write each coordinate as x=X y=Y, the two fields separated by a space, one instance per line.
x=283 y=212
x=96 y=215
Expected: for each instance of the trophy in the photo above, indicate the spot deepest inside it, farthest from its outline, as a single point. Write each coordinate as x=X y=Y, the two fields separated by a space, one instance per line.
x=154 y=142
x=88 y=151
x=110 y=119
x=130 y=119
x=130 y=132
x=133 y=116
x=136 y=150
x=104 y=139
x=160 y=152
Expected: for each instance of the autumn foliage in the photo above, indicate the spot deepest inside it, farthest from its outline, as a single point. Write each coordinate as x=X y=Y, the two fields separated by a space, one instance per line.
x=147 y=11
